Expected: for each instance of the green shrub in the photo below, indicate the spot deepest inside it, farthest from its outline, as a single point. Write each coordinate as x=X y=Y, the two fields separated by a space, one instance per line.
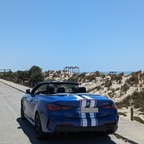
x=125 y=88
x=117 y=89
x=122 y=113
x=139 y=120
x=133 y=80
x=136 y=99
x=117 y=77
x=108 y=83
x=98 y=88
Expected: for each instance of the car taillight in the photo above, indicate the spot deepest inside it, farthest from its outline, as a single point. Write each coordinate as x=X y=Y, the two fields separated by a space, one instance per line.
x=58 y=107
x=113 y=106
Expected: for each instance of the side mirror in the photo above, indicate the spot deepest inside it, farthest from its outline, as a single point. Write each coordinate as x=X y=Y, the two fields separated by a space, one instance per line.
x=28 y=91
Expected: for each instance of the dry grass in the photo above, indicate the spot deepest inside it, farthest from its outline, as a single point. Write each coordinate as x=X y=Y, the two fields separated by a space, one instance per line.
x=139 y=120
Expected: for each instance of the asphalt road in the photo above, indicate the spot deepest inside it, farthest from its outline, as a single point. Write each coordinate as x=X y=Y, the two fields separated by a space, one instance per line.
x=14 y=130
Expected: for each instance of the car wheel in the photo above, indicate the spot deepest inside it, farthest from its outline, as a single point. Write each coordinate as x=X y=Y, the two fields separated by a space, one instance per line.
x=38 y=128
x=22 y=111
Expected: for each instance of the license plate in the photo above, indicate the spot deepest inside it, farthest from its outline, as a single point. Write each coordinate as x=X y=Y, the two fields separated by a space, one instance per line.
x=88 y=110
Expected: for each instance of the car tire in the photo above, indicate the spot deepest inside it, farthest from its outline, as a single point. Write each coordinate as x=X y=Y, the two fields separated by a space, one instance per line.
x=22 y=111
x=38 y=128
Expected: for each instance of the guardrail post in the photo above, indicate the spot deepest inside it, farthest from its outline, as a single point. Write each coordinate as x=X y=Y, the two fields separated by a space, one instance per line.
x=131 y=112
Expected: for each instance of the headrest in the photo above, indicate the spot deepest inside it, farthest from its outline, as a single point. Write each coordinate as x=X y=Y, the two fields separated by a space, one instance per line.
x=60 y=90
x=75 y=89
x=50 y=89
x=82 y=90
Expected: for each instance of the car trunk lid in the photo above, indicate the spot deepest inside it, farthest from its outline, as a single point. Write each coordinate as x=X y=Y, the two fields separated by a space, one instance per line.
x=75 y=105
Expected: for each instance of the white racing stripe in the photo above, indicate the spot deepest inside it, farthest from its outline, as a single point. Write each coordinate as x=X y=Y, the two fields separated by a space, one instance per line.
x=87 y=97
x=83 y=120
x=83 y=101
x=94 y=121
x=93 y=103
x=78 y=97
x=82 y=116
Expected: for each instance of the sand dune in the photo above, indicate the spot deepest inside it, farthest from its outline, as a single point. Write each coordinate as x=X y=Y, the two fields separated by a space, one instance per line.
x=117 y=87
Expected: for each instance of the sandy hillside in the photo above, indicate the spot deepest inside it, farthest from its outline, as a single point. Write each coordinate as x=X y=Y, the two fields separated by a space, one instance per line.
x=117 y=87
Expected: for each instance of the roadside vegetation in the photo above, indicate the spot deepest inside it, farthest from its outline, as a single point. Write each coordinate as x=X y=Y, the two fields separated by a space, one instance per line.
x=139 y=119
x=128 y=88
x=28 y=78
x=136 y=100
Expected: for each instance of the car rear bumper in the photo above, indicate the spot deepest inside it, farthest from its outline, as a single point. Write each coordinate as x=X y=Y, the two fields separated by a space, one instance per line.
x=111 y=128
x=52 y=125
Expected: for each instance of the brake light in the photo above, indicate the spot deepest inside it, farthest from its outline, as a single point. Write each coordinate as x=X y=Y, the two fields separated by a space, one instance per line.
x=58 y=107
x=53 y=107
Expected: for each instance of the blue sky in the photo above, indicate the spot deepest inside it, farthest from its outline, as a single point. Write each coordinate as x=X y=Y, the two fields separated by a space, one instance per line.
x=101 y=35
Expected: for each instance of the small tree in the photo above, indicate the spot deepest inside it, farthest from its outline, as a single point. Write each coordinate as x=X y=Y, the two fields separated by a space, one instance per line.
x=21 y=76
x=35 y=74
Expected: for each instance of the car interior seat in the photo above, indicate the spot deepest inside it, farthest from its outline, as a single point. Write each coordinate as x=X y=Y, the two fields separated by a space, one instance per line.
x=60 y=90
x=50 y=89
x=82 y=90
x=75 y=89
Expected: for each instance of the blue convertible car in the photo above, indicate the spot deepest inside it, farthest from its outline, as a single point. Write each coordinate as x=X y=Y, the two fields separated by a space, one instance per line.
x=54 y=107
